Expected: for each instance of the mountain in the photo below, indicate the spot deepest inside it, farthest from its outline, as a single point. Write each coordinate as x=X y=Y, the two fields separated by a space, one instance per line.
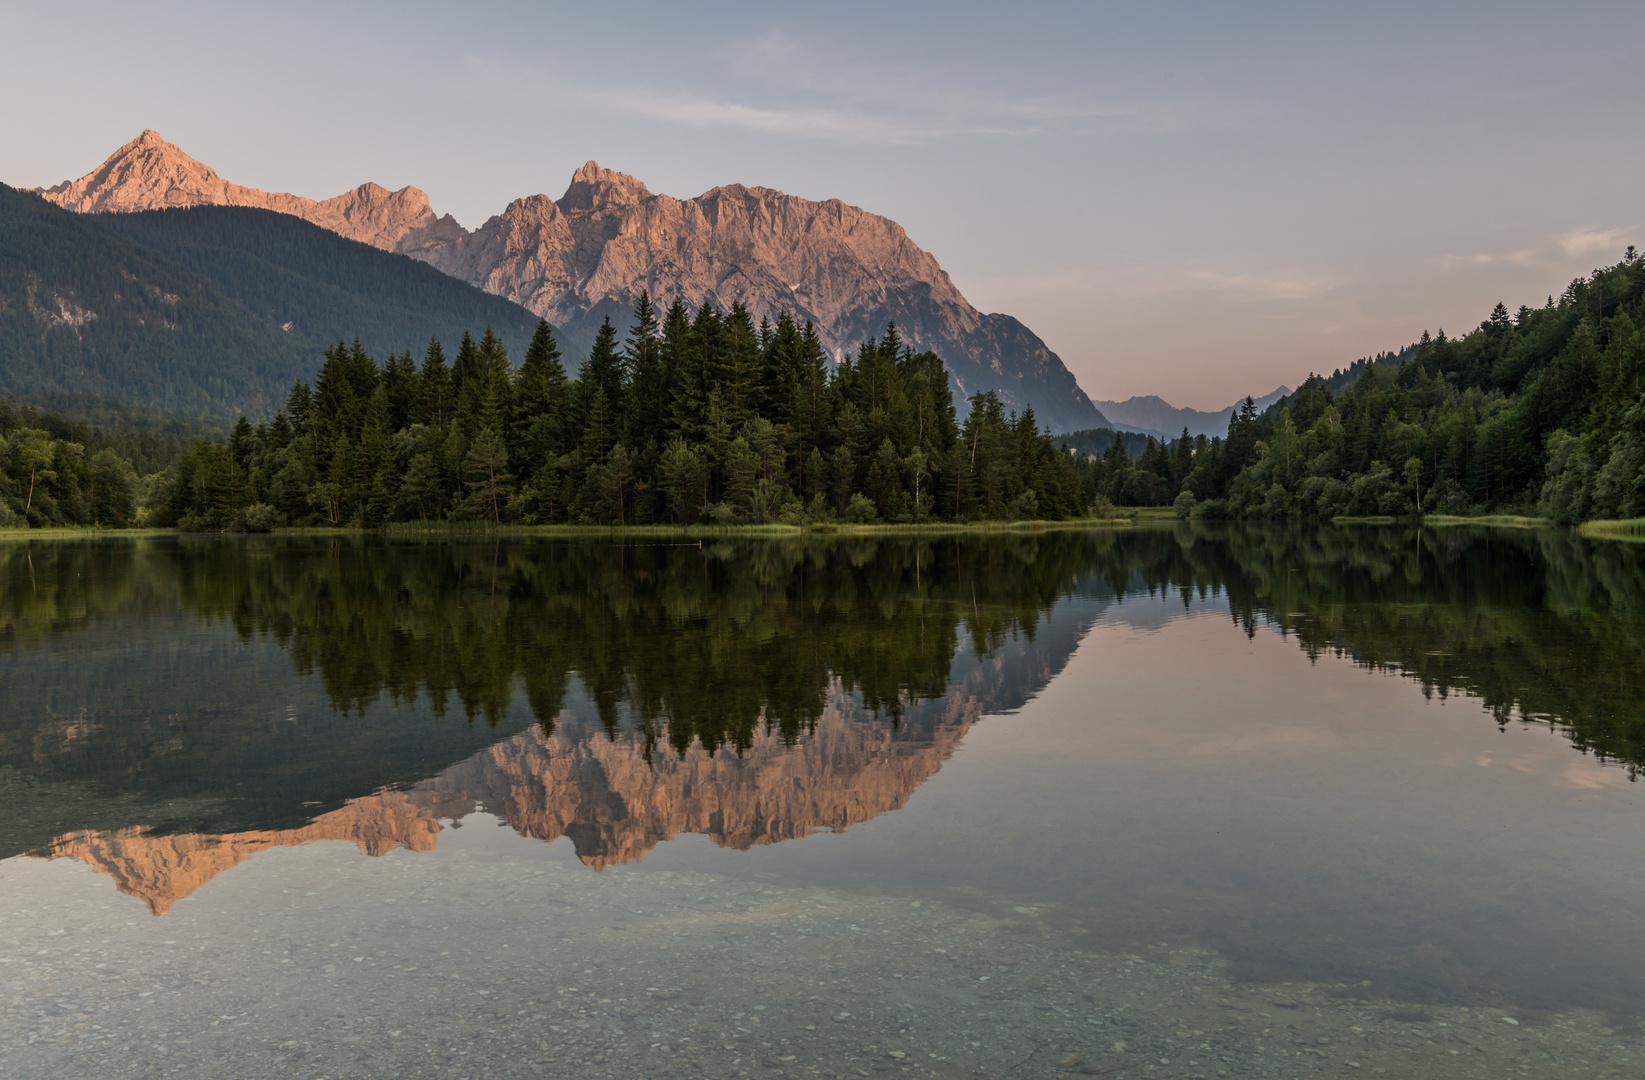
x=149 y=173
x=215 y=310
x=1152 y=415
x=84 y=311
x=320 y=287
x=589 y=254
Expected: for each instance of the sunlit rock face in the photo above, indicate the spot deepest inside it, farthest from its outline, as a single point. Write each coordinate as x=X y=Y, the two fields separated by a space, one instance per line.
x=150 y=173
x=589 y=255
x=615 y=799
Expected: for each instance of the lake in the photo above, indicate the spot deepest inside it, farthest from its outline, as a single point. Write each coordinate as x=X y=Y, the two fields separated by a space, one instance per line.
x=1184 y=801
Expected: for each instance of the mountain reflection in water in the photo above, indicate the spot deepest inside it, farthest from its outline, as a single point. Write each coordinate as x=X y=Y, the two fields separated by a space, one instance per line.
x=175 y=706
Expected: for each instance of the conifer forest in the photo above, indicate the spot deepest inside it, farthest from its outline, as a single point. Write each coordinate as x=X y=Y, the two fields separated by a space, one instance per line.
x=706 y=418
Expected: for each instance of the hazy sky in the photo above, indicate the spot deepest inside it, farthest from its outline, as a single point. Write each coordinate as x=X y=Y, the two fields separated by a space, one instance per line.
x=1194 y=200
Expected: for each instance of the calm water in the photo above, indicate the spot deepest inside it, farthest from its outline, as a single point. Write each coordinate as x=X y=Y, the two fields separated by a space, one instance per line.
x=1182 y=802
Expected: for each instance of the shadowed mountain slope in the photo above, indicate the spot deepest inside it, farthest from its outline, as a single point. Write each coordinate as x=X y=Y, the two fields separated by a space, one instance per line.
x=208 y=310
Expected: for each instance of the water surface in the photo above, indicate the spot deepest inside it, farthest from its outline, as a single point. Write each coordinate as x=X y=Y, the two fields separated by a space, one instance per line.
x=1191 y=801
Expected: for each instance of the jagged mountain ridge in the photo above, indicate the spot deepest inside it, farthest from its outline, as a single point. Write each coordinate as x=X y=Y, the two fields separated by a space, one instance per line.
x=588 y=255
x=150 y=173
x=1153 y=415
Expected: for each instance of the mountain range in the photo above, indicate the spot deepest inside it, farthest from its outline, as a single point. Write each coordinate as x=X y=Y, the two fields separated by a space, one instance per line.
x=1151 y=415
x=589 y=254
x=211 y=309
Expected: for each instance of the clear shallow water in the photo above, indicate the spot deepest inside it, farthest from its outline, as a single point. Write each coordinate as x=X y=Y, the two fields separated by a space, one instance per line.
x=1156 y=803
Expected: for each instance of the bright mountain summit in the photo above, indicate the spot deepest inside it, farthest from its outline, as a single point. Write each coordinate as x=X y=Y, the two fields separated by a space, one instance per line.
x=589 y=254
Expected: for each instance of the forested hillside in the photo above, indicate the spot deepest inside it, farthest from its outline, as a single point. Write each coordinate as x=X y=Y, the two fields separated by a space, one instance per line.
x=214 y=310
x=85 y=311
x=1538 y=412
x=320 y=287
x=694 y=418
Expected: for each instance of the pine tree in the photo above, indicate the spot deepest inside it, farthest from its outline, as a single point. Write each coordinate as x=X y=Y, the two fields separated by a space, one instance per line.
x=336 y=404
x=643 y=372
x=683 y=389
x=540 y=399
x=603 y=370
x=485 y=472
x=738 y=371
x=241 y=441
x=400 y=380
x=437 y=404
x=464 y=370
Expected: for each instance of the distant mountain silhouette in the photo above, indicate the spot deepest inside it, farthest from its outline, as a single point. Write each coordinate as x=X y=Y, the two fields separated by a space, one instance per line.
x=1152 y=415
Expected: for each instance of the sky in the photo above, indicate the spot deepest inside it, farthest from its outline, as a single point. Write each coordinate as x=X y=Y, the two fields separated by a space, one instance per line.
x=1195 y=200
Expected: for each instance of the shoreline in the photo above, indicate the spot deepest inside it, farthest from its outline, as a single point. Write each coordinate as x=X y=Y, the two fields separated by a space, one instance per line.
x=1630 y=529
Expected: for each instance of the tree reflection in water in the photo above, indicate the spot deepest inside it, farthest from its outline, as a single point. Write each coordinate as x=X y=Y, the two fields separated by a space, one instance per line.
x=720 y=646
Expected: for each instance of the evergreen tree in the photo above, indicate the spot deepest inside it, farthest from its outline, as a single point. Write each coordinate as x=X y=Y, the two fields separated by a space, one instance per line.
x=737 y=373
x=437 y=406
x=643 y=371
x=485 y=472
x=540 y=400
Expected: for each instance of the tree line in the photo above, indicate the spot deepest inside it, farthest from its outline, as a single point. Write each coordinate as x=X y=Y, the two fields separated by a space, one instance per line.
x=56 y=470
x=706 y=418
x=693 y=417
x=1539 y=412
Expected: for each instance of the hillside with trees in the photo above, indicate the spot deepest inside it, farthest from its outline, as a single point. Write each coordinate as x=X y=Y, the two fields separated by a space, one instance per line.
x=320 y=287
x=707 y=418
x=1536 y=412
x=86 y=311
x=212 y=310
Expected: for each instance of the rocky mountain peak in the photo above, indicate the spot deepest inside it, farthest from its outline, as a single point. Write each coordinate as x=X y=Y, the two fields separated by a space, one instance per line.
x=594 y=188
x=149 y=173
x=146 y=173
x=590 y=253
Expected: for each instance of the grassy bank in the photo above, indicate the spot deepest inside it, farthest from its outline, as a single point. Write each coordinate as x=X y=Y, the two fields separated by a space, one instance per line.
x=690 y=532
x=78 y=532
x=694 y=532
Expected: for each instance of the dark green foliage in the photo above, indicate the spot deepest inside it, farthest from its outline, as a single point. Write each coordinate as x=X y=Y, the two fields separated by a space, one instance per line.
x=693 y=419
x=56 y=471
x=1537 y=413
x=85 y=311
x=208 y=310
x=286 y=270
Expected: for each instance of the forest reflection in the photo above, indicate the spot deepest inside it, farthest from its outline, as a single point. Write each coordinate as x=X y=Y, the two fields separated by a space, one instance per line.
x=712 y=643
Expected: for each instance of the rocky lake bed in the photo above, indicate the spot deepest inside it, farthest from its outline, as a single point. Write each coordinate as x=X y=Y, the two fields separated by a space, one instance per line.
x=512 y=959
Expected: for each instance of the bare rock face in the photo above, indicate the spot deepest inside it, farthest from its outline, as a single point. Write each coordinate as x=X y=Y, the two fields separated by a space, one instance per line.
x=588 y=255
x=149 y=173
